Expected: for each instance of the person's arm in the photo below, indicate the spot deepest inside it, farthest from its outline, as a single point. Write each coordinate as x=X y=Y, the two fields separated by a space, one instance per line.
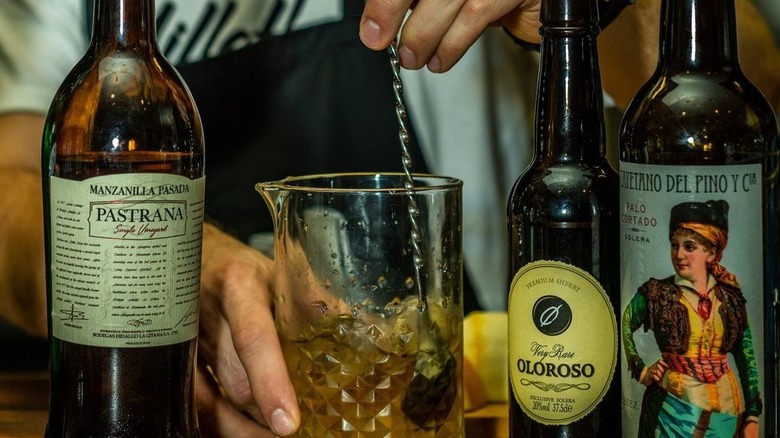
x=770 y=10
x=633 y=318
x=759 y=52
x=22 y=281
x=745 y=360
x=628 y=50
x=40 y=41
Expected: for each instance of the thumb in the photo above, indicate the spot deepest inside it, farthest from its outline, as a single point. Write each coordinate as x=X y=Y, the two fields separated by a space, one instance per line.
x=523 y=21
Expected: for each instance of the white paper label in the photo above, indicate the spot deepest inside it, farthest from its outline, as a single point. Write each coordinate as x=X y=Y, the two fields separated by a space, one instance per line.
x=125 y=259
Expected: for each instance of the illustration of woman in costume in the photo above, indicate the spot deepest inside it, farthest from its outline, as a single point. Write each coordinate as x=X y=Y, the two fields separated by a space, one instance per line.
x=698 y=316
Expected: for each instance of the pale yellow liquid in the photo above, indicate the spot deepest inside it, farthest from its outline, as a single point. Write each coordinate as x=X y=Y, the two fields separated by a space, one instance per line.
x=351 y=378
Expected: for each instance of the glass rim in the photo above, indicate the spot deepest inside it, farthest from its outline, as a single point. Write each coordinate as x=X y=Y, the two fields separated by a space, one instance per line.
x=429 y=181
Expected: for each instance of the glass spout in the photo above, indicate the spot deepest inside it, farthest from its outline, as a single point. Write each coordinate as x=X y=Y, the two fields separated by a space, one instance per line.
x=273 y=194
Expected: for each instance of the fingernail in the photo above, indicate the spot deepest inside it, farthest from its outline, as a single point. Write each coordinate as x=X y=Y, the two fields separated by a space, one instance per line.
x=369 y=33
x=434 y=65
x=281 y=423
x=408 y=60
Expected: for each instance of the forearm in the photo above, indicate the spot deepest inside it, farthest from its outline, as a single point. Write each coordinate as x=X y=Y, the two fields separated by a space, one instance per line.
x=628 y=50
x=745 y=359
x=22 y=280
x=759 y=53
x=632 y=319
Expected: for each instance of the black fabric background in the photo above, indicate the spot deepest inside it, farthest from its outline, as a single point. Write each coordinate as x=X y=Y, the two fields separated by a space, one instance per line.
x=310 y=101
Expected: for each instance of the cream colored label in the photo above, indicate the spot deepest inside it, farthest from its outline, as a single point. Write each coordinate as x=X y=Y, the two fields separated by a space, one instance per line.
x=125 y=259
x=726 y=197
x=562 y=342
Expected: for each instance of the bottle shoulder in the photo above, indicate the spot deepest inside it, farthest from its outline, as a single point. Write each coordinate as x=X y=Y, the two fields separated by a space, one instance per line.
x=139 y=76
x=552 y=188
x=685 y=111
x=126 y=94
x=573 y=175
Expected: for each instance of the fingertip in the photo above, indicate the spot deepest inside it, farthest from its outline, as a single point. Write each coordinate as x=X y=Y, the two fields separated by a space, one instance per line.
x=276 y=397
x=282 y=423
x=407 y=58
x=371 y=34
x=435 y=65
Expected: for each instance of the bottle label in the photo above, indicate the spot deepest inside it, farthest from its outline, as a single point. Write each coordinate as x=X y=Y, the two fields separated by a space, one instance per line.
x=562 y=342
x=692 y=282
x=125 y=259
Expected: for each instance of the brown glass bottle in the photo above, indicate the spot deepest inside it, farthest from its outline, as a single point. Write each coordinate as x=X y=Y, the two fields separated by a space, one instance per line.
x=563 y=246
x=123 y=178
x=700 y=135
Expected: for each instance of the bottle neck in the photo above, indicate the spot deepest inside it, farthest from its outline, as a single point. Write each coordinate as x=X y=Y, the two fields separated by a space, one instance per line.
x=124 y=24
x=698 y=36
x=570 y=103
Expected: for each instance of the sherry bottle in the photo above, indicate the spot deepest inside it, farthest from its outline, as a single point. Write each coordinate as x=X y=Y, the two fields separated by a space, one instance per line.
x=123 y=178
x=563 y=246
x=698 y=182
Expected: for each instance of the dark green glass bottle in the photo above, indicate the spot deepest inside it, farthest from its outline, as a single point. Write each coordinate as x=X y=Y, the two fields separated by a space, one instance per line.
x=563 y=246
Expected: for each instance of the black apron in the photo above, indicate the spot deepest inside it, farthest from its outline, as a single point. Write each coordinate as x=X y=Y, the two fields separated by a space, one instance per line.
x=309 y=101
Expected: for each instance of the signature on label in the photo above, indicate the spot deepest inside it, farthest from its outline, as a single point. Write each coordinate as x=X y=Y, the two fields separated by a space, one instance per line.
x=72 y=314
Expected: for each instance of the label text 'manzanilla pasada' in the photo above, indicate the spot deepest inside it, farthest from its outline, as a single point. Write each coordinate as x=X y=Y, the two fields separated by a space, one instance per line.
x=148 y=190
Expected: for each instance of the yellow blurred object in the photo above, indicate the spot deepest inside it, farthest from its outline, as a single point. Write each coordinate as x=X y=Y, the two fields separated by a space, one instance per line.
x=474 y=394
x=485 y=366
